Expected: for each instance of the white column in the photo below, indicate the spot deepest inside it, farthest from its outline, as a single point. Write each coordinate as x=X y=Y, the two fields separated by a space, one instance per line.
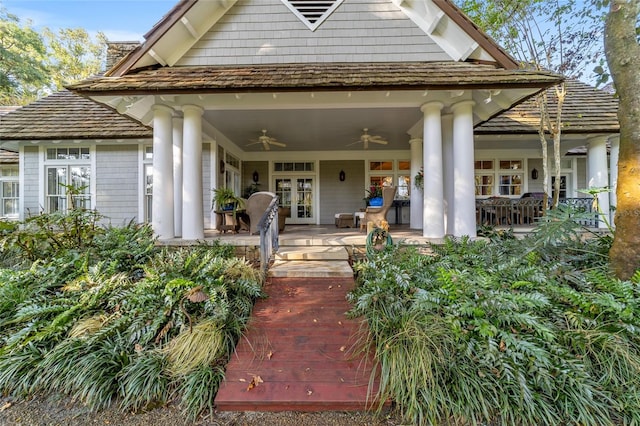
x=192 y=205
x=433 y=203
x=177 y=175
x=416 y=198
x=448 y=167
x=162 y=207
x=464 y=182
x=598 y=172
x=614 y=153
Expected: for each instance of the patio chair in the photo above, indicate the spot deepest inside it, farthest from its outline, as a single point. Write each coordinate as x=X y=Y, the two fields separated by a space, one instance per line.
x=256 y=205
x=378 y=214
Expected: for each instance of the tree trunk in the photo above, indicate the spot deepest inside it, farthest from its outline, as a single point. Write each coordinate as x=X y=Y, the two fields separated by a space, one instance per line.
x=623 y=56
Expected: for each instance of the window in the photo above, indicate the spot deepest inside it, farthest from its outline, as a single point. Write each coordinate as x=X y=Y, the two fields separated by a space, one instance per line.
x=293 y=167
x=67 y=168
x=148 y=183
x=232 y=176
x=511 y=182
x=9 y=191
x=389 y=173
x=508 y=176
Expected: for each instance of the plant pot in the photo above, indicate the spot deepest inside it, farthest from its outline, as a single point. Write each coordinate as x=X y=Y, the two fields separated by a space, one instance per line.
x=376 y=202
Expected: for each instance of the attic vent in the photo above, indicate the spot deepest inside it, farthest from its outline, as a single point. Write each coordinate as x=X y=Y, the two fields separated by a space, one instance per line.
x=312 y=12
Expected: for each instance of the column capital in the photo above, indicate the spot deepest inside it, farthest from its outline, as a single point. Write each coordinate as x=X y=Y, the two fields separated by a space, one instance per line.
x=431 y=106
x=598 y=139
x=615 y=139
x=415 y=140
x=162 y=108
x=461 y=104
x=192 y=108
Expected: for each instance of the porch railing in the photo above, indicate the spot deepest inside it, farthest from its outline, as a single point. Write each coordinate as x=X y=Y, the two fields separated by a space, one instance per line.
x=526 y=211
x=268 y=227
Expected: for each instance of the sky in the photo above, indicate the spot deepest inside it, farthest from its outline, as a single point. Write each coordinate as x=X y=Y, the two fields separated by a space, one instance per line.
x=119 y=20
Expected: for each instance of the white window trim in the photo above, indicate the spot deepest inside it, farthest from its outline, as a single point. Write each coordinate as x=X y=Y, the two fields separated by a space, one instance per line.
x=44 y=163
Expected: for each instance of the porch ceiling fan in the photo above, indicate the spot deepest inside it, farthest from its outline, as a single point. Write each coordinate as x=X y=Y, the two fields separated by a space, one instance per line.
x=266 y=141
x=366 y=138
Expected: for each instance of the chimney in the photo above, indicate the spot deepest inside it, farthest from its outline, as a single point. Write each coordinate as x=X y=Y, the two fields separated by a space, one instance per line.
x=116 y=50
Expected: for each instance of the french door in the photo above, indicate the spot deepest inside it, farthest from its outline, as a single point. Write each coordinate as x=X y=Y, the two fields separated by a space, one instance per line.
x=298 y=193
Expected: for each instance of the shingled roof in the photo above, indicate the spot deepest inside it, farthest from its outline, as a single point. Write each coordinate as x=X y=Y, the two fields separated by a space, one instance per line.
x=586 y=110
x=319 y=76
x=8 y=157
x=65 y=115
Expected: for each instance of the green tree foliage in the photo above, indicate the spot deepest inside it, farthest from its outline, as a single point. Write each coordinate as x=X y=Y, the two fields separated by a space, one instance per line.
x=23 y=71
x=564 y=37
x=33 y=65
x=74 y=55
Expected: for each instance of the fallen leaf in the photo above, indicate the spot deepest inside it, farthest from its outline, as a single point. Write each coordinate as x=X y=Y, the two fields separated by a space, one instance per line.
x=309 y=392
x=5 y=406
x=254 y=382
x=269 y=355
x=339 y=322
x=342 y=348
x=243 y=380
x=137 y=347
x=503 y=346
x=330 y=287
x=315 y=320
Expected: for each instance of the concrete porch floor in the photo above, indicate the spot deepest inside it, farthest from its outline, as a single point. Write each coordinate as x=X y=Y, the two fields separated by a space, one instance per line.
x=307 y=235
x=318 y=235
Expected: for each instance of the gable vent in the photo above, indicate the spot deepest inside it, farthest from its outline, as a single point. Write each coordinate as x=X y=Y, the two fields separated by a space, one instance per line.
x=312 y=12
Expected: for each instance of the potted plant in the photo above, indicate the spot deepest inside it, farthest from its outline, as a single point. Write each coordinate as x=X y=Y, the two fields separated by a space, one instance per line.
x=374 y=196
x=224 y=199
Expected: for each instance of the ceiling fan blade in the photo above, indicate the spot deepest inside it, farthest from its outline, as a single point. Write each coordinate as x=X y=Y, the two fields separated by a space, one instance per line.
x=378 y=141
x=266 y=146
x=276 y=143
x=253 y=142
x=353 y=143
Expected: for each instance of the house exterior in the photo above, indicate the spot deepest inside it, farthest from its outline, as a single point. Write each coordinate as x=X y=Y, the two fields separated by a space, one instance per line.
x=312 y=100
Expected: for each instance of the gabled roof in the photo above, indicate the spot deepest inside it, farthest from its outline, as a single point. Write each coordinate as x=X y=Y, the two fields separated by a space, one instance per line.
x=189 y=20
x=585 y=110
x=304 y=77
x=64 y=115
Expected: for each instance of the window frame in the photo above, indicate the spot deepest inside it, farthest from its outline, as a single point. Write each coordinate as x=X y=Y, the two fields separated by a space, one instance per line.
x=86 y=160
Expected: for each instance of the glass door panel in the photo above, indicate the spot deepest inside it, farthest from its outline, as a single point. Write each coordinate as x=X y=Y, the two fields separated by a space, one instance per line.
x=304 y=198
x=297 y=193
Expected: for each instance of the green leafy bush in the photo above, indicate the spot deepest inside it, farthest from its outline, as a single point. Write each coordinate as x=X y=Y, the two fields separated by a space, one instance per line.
x=524 y=332
x=99 y=319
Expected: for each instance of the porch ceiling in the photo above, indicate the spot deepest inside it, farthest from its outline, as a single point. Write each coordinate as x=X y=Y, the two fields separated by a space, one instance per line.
x=317 y=129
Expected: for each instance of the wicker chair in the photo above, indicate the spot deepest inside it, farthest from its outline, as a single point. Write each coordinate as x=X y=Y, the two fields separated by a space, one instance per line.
x=256 y=205
x=378 y=214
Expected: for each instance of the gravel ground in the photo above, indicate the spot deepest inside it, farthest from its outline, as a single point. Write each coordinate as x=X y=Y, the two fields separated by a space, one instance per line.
x=51 y=411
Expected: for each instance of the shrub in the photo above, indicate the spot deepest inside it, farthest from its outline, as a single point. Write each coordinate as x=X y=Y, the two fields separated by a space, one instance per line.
x=530 y=332
x=101 y=321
